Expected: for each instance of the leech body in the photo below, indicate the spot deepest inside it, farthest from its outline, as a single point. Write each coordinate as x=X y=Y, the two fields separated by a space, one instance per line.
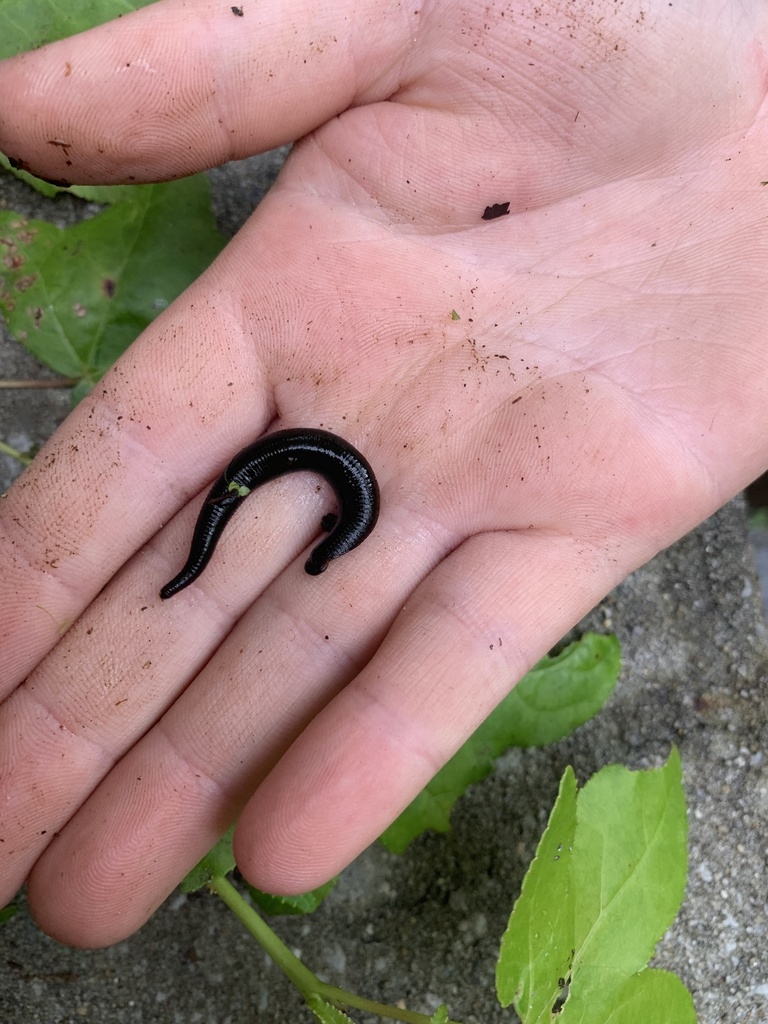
x=288 y=451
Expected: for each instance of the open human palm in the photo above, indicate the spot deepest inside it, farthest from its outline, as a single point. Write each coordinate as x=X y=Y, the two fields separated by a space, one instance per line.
x=548 y=397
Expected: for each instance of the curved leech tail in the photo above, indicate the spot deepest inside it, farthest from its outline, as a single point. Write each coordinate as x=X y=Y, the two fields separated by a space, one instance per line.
x=214 y=514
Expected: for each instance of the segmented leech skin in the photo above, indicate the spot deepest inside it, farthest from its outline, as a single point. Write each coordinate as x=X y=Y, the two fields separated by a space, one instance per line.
x=288 y=451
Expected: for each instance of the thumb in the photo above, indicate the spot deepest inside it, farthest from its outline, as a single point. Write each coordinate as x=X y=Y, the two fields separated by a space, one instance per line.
x=182 y=85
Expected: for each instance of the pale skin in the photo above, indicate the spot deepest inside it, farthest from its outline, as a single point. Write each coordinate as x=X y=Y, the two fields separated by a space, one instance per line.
x=604 y=389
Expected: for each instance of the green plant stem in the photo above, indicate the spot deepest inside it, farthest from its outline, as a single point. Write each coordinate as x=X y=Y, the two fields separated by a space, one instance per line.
x=15 y=453
x=304 y=980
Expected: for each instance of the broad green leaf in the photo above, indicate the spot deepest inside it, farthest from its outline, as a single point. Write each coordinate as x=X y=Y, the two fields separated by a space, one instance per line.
x=78 y=296
x=536 y=952
x=629 y=864
x=28 y=24
x=556 y=696
x=305 y=903
x=325 y=1012
x=216 y=863
x=600 y=912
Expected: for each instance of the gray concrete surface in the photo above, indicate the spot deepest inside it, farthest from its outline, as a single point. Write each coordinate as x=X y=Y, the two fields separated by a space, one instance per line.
x=425 y=927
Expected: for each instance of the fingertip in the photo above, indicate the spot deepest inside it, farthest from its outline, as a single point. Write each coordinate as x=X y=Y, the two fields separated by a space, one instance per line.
x=321 y=806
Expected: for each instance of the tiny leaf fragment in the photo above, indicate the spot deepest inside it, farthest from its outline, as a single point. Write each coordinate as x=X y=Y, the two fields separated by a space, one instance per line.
x=326 y=1012
x=304 y=903
x=217 y=863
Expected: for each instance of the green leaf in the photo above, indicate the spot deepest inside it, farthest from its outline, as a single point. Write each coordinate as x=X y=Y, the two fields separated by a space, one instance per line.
x=758 y=519
x=630 y=857
x=78 y=296
x=305 y=903
x=325 y=1012
x=630 y=865
x=556 y=696
x=562 y=692
x=216 y=863
x=650 y=997
x=537 y=948
x=6 y=913
x=28 y=24
x=586 y=924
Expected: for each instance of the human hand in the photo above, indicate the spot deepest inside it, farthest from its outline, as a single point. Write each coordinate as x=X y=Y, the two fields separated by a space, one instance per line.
x=603 y=391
